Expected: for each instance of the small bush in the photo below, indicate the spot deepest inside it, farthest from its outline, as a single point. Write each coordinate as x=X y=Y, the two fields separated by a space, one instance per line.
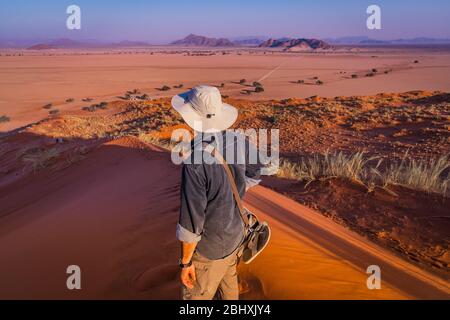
x=48 y=106
x=178 y=86
x=370 y=74
x=354 y=76
x=102 y=105
x=319 y=82
x=259 y=89
x=4 y=119
x=257 y=84
x=53 y=112
x=70 y=100
x=242 y=81
x=89 y=108
x=165 y=88
x=300 y=81
x=374 y=70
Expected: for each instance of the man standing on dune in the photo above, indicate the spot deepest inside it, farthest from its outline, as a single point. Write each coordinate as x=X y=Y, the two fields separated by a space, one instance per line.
x=210 y=227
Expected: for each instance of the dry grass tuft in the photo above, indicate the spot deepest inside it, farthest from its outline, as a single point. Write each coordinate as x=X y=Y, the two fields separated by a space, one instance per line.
x=152 y=139
x=426 y=175
x=431 y=175
x=40 y=159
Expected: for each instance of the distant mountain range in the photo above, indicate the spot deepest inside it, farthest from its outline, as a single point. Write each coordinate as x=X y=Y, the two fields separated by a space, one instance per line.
x=251 y=41
x=284 y=43
x=363 y=40
x=194 y=40
x=73 y=44
x=296 y=44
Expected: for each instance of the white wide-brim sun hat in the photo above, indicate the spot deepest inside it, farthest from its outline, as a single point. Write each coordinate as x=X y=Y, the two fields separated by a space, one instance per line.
x=203 y=110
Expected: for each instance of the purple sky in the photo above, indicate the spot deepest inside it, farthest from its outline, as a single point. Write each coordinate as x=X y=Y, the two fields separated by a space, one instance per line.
x=162 y=21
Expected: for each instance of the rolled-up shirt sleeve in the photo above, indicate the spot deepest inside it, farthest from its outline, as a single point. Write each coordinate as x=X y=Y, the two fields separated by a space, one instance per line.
x=193 y=204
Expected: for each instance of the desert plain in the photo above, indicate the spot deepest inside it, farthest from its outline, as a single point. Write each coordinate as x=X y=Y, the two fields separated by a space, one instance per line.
x=86 y=176
x=31 y=80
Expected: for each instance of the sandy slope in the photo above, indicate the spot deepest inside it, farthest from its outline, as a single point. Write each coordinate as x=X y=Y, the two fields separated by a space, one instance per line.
x=327 y=260
x=114 y=215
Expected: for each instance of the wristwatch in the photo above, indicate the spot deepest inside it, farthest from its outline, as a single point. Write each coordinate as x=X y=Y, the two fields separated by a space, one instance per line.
x=184 y=265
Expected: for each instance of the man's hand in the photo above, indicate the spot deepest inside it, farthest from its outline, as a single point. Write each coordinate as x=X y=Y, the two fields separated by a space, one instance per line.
x=188 y=277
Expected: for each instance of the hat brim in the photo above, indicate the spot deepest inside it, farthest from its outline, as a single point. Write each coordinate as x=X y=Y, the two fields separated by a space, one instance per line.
x=201 y=124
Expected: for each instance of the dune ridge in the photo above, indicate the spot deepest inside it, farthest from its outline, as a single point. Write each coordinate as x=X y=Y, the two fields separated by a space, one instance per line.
x=114 y=213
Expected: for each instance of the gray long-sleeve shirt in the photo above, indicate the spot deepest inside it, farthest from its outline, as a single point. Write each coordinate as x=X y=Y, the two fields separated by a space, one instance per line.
x=209 y=214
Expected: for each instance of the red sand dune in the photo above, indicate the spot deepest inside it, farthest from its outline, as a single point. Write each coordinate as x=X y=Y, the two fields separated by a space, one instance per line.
x=114 y=215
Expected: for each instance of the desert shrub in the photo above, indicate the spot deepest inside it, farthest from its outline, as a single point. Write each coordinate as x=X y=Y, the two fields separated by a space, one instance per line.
x=257 y=84
x=70 y=100
x=319 y=82
x=416 y=61
x=89 y=108
x=4 y=119
x=165 y=88
x=259 y=89
x=39 y=159
x=370 y=74
x=315 y=78
x=178 y=86
x=354 y=76
x=102 y=105
x=242 y=81
x=87 y=99
x=48 y=106
x=300 y=81
x=144 y=97
x=374 y=70
x=272 y=119
x=53 y=112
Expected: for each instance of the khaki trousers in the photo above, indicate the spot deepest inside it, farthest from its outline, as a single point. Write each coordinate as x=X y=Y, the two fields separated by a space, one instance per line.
x=215 y=279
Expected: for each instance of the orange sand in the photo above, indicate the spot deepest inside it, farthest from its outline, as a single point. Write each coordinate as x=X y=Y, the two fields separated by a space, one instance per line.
x=29 y=82
x=114 y=215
